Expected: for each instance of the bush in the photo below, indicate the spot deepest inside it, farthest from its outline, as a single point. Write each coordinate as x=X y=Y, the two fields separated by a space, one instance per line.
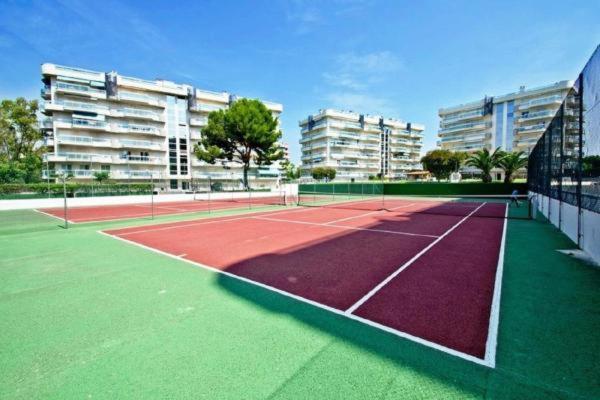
x=32 y=190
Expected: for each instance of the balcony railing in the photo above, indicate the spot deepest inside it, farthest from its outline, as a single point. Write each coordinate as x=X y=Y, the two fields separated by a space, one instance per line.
x=79 y=89
x=541 y=101
x=465 y=126
x=463 y=115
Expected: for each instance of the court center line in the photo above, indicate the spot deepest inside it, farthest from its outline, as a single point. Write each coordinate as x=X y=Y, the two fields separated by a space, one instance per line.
x=377 y=288
x=492 y=339
x=329 y=225
x=367 y=214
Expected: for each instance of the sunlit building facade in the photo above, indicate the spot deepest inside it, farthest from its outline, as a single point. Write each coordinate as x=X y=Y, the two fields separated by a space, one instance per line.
x=360 y=146
x=512 y=122
x=134 y=129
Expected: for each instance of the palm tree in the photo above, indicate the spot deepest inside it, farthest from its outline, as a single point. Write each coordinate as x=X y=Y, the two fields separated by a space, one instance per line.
x=485 y=161
x=511 y=163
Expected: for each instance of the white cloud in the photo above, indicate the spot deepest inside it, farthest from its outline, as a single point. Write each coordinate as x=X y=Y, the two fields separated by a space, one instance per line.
x=360 y=102
x=357 y=81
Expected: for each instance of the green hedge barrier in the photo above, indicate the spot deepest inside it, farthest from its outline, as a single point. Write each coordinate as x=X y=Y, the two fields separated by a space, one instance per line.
x=45 y=190
x=416 y=188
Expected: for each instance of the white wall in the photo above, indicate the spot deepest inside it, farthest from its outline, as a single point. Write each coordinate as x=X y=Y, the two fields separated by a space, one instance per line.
x=566 y=218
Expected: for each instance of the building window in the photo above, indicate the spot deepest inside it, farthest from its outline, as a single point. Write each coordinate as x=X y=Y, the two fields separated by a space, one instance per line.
x=173 y=184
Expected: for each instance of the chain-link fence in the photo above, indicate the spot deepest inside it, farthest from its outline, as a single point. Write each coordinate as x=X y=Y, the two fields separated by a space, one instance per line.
x=564 y=166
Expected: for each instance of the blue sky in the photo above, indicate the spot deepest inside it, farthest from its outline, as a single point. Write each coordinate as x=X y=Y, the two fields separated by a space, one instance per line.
x=396 y=58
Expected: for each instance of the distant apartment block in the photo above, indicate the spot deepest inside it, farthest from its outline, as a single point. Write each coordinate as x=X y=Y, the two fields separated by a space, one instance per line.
x=359 y=146
x=513 y=122
x=135 y=129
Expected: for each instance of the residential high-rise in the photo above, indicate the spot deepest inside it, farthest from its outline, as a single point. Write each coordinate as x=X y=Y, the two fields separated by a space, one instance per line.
x=134 y=129
x=513 y=122
x=360 y=146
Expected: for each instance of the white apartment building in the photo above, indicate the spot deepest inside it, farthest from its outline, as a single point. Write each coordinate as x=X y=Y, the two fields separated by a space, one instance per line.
x=359 y=146
x=135 y=129
x=513 y=122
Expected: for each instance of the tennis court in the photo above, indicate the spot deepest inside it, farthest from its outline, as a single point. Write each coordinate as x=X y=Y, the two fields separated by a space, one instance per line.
x=99 y=213
x=424 y=270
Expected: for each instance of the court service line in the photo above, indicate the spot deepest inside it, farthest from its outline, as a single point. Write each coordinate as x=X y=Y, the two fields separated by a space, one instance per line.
x=492 y=338
x=325 y=307
x=354 y=228
x=377 y=288
x=367 y=214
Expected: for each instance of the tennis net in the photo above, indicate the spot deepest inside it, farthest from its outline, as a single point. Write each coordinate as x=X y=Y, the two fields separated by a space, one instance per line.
x=242 y=197
x=490 y=206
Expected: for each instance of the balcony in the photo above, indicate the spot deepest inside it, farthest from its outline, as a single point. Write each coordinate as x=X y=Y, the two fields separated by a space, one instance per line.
x=131 y=159
x=138 y=144
x=68 y=156
x=530 y=116
x=198 y=121
x=465 y=127
x=463 y=116
x=140 y=98
x=84 y=141
x=81 y=90
x=545 y=101
x=62 y=105
x=46 y=93
x=137 y=113
x=87 y=124
x=207 y=108
x=531 y=128
x=136 y=128
x=195 y=135
x=319 y=125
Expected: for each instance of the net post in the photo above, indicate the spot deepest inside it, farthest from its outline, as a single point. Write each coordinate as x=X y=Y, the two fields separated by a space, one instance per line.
x=152 y=195
x=209 y=191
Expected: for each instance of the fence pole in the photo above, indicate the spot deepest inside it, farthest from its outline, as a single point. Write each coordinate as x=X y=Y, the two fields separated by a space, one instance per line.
x=580 y=162
x=560 y=182
x=65 y=202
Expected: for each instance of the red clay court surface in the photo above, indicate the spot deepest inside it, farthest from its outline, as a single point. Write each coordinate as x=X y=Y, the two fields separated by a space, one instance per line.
x=434 y=279
x=101 y=213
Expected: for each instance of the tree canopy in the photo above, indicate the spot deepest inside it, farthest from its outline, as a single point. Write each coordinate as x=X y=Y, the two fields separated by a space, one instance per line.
x=441 y=163
x=324 y=173
x=20 y=136
x=246 y=132
x=512 y=162
x=485 y=161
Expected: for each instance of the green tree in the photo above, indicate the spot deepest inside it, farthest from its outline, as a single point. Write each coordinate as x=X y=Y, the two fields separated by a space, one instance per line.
x=324 y=173
x=591 y=166
x=291 y=171
x=101 y=176
x=441 y=163
x=20 y=136
x=485 y=161
x=246 y=132
x=512 y=162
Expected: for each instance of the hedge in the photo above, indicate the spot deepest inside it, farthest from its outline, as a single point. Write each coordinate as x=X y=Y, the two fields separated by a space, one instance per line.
x=417 y=188
x=42 y=190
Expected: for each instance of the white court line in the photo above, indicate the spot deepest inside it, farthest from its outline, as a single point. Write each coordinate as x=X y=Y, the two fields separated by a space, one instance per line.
x=365 y=321
x=367 y=214
x=248 y=215
x=111 y=218
x=377 y=288
x=329 y=225
x=492 y=339
x=54 y=216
